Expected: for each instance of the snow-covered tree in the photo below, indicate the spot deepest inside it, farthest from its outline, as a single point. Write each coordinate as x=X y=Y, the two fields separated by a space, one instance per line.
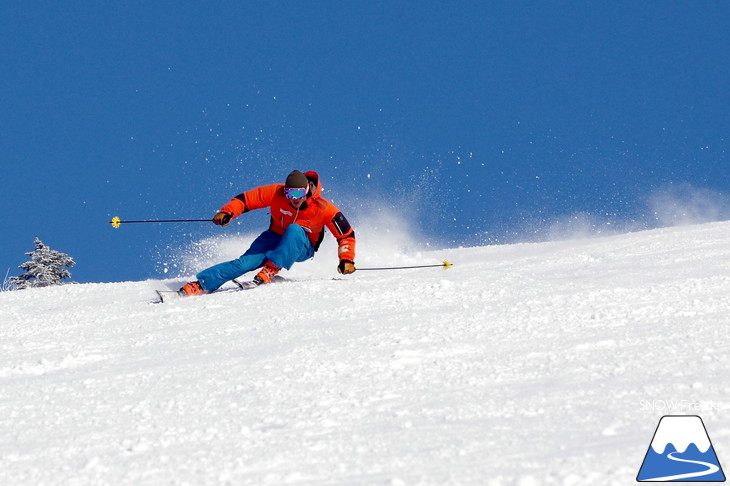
x=43 y=268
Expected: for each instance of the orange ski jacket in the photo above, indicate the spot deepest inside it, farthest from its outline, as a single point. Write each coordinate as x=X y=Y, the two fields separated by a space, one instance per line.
x=315 y=214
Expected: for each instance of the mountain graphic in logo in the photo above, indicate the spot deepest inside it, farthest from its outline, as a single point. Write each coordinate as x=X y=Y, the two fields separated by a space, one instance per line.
x=681 y=451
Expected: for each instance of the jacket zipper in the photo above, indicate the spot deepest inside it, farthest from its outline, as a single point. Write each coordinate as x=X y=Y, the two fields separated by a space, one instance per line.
x=295 y=220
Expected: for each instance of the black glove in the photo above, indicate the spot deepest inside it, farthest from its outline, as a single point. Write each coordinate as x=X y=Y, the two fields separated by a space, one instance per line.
x=346 y=267
x=222 y=218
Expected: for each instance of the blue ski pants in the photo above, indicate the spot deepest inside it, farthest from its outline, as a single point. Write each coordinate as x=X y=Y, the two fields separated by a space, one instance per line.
x=283 y=251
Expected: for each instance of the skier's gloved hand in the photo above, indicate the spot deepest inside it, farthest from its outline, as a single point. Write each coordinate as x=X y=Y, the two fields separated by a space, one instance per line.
x=222 y=218
x=346 y=267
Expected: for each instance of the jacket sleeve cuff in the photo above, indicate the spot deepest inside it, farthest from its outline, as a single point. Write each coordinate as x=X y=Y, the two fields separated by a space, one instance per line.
x=235 y=207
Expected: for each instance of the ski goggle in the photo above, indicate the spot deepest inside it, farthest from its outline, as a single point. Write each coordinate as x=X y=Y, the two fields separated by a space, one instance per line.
x=295 y=193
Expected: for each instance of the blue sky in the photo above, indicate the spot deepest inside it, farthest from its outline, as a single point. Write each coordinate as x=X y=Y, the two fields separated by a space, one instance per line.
x=481 y=122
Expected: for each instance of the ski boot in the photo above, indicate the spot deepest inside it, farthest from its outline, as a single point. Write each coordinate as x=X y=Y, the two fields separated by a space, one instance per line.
x=266 y=274
x=192 y=288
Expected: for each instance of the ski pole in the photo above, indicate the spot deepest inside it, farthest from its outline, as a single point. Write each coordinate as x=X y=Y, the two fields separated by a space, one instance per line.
x=445 y=264
x=115 y=222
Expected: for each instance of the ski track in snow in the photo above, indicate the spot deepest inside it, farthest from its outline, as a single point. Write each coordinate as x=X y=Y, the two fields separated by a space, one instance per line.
x=711 y=469
x=522 y=364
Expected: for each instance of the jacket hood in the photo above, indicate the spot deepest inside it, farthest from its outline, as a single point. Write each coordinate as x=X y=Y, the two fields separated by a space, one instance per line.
x=314 y=179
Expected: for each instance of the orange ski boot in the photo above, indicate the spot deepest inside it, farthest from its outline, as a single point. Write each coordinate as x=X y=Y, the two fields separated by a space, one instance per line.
x=192 y=288
x=267 y=273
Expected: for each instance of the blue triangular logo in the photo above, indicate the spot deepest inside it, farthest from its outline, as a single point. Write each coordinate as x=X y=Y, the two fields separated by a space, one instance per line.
x=681 y=451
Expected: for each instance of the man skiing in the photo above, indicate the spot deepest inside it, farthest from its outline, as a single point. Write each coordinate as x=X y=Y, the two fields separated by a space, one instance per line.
x=299 y=215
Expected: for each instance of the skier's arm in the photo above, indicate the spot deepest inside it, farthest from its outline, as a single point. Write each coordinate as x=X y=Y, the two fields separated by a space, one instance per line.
x=257 y=198
x=345 y=236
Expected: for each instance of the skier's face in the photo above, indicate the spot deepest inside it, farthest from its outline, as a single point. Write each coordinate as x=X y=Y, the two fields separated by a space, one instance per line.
x=297 y=203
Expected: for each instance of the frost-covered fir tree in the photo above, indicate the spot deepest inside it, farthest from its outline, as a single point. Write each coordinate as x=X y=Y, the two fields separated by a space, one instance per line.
x=44 y=267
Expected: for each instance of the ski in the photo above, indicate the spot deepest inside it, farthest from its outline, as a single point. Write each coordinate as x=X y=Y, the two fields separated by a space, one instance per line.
x=169 y=295
x=250 y=284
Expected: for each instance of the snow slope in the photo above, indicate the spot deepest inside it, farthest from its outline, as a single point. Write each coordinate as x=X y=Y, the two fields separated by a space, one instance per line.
x=525 y=364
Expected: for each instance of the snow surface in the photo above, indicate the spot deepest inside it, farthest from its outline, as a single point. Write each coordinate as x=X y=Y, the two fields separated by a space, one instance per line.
x=527 y=364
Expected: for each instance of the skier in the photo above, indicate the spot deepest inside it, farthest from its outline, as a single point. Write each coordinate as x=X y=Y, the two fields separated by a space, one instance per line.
x=298 y=216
